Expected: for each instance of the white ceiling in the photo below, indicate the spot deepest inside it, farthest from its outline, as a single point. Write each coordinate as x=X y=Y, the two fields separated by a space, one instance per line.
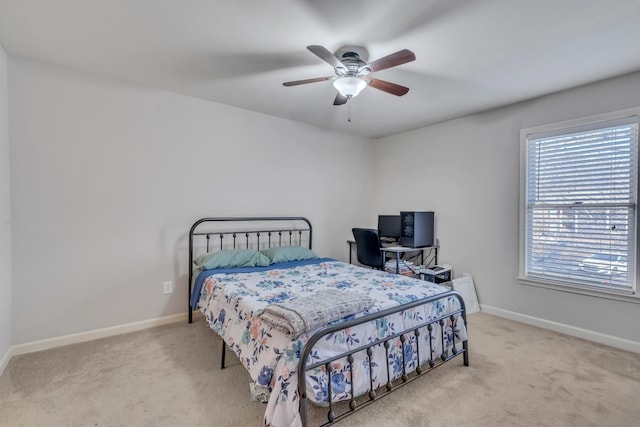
x=471 y=54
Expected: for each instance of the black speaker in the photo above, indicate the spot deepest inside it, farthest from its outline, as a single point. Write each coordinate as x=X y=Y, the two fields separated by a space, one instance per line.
x=416 y=229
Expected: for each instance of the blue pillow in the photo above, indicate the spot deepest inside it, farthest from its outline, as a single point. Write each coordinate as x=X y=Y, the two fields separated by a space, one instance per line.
x=288 y=253
x=231 y=258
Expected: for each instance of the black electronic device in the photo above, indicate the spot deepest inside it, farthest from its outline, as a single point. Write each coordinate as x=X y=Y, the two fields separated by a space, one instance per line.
x=389 y=226
x=437 y=274
x=416 y=229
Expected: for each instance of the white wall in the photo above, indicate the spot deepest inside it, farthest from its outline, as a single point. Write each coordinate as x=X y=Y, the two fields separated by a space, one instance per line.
x=467 y=171
x=5 y=215
x=108 y=177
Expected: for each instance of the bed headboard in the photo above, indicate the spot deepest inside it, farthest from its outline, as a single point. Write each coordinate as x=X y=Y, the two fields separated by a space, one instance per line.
x=218 y=233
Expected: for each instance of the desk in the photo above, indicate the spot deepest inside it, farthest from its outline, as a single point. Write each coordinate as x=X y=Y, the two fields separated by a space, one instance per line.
x=398 y=250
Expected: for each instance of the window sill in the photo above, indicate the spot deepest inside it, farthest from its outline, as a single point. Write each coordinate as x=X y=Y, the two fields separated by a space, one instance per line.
x=576 y=289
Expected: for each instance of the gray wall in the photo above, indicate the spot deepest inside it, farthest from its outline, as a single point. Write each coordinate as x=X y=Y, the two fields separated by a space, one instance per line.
x=108 y=177
x=5 y=215
x=467 y=171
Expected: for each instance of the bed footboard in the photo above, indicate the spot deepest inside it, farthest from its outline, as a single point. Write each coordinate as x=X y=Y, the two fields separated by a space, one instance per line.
x=408 y=374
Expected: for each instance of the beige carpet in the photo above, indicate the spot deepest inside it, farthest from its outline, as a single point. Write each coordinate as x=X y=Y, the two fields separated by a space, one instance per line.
x=169 y=376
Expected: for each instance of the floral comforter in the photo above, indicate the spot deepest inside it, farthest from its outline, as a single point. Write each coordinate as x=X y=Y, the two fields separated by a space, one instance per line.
x=231 y=303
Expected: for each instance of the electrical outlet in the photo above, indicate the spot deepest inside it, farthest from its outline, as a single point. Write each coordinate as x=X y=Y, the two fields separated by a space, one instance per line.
x=168 y=287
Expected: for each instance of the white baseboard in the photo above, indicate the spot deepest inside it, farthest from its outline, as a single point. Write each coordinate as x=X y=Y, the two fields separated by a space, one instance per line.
x=586 y=334
x=33 y=346
x=5 y=359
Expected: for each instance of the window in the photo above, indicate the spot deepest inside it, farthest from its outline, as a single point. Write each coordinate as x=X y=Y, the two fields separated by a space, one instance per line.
x=578 y=204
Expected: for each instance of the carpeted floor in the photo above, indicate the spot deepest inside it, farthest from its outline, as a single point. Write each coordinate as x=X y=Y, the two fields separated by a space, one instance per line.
x=169 y=376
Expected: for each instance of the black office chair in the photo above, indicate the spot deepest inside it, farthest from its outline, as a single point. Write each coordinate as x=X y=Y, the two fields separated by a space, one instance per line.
x=368 y=247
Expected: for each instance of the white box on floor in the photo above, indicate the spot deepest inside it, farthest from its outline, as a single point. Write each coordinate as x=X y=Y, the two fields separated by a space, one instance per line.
x=465 y=287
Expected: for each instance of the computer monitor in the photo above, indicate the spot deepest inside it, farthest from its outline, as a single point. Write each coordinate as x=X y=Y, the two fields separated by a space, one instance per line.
x=389 y=226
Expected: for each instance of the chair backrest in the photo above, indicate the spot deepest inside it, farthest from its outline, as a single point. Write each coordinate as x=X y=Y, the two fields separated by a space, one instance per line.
x=368 y=247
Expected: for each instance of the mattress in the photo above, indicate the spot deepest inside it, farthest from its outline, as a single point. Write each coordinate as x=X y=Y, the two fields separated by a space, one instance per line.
x=232 y=301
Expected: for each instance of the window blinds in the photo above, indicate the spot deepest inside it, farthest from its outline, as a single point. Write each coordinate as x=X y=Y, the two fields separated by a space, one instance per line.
x=581 y=204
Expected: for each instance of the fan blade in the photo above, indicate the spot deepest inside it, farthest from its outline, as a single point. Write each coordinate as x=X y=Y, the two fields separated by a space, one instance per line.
x=388 y=87
x=400 y=57
x=340 y=100
x=302 y=82
x=328 y=57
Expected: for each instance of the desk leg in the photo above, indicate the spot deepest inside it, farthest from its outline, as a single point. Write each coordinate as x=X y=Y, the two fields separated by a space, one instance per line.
x=397 y=262
x=350 y=244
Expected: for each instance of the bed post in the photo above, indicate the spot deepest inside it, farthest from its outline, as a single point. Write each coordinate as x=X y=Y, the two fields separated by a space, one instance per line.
x=190 y=272
x=465 y=343
x=190 y=266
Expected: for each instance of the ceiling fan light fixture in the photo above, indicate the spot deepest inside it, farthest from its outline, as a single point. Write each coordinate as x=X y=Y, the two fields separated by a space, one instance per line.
x=352 y=71
x=349 y=86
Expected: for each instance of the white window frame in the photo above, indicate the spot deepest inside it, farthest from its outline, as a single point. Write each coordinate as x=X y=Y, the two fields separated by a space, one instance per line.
x=565 y=286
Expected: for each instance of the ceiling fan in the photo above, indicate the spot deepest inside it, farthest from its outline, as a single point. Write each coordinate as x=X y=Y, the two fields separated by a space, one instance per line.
x=352 y=72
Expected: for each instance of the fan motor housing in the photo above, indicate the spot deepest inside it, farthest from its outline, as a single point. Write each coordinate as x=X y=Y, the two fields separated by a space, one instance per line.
x=354 y=64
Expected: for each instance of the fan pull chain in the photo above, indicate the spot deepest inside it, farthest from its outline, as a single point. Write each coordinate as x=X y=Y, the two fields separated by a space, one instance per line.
x=349 y=116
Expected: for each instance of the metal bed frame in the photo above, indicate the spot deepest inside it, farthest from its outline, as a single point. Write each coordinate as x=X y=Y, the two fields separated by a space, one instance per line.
x=251 y=238
x=295 y=235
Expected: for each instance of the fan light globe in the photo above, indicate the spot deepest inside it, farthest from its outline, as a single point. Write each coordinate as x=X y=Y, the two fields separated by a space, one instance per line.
x=349 y=86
